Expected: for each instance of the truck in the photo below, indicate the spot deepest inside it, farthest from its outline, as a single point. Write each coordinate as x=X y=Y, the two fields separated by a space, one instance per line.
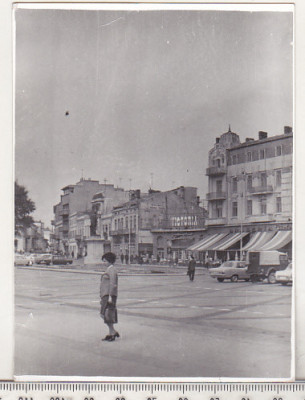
x=264 y=264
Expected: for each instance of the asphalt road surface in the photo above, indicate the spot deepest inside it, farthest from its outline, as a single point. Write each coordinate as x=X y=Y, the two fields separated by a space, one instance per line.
x=169 y=326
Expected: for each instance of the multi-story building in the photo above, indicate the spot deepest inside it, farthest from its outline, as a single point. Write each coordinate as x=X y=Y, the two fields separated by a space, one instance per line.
x=217 y=173
x=250 y=194
x=79 y=232
x=259 y=178
x=75 y=199
x=157 y=223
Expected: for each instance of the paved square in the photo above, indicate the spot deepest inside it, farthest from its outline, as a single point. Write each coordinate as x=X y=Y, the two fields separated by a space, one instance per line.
x=169 y=326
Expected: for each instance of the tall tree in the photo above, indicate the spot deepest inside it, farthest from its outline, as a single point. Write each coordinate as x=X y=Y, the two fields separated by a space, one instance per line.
x=24 y=206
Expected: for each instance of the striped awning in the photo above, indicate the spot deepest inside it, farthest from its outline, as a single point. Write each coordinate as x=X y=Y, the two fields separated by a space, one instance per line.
x=280 y=240
x=195 y=246
x=258 y=240
x=207 y=242
x=252 y=240
x=228 y=241
x=209 y=245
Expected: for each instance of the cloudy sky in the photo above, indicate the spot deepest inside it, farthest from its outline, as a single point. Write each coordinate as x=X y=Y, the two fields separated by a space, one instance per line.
x=121 y=95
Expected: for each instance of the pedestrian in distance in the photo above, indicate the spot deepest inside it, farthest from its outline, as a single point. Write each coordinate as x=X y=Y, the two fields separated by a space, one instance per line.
x=122 y=258
x=109 y=294
x=191 y=268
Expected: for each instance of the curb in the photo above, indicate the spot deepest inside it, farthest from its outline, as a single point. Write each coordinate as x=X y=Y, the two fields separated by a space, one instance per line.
x=75 y=271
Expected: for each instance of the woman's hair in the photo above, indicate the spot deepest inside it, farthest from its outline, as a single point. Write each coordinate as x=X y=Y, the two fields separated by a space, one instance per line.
x=110 y=257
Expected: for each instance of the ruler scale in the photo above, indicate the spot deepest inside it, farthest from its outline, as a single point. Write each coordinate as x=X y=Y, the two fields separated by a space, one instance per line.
x=150 y=391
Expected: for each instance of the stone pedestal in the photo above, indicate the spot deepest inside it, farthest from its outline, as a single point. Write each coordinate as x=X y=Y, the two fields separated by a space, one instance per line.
x=96 y=247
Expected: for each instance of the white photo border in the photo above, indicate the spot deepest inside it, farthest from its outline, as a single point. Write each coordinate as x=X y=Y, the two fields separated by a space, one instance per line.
x=7 y=171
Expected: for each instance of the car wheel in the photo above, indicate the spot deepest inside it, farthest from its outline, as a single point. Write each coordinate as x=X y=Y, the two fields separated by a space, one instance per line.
x=234 y=278
x=271 y=277
x=220 y=279
x=247 y=280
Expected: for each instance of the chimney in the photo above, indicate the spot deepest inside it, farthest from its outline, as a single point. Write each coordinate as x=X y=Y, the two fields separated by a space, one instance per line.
x=262 y=135
x=217 y=140
x=287 y=130
x=249 y=139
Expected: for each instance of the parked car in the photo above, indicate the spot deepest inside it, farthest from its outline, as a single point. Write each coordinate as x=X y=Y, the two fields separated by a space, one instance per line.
x=284 y=276
x=264 y=264
x=24 y=259
x=43 y=258
x=233 y=270
x=61 y=260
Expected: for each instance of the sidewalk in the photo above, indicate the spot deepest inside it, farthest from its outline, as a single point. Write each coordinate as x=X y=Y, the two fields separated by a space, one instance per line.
x=133 y=269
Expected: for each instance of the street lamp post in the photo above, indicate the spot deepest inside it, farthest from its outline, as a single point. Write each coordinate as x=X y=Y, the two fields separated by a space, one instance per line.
x=242 y=213
x=129 y=233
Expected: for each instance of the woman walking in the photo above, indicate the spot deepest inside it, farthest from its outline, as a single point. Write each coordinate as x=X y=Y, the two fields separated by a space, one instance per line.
x=109 y=293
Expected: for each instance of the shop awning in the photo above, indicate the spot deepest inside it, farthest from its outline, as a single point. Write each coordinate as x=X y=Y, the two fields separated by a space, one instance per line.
x=258 y=240
x=208 y=245
x=207 y=242
x=278 y=241
x=228 y=241
x=195 y=246
x=254 y=238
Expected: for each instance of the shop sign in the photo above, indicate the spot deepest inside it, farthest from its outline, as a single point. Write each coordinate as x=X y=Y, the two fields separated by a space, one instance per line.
x=187 y=220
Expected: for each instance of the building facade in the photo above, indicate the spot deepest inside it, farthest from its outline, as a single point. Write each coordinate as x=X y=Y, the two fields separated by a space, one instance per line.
x=76 y=216
x=34 y=239
x=157 y=224
x=75 y=199
x=250 y=194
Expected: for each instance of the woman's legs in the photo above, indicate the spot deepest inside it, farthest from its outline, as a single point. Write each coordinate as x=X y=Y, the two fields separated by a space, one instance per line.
x=112 y=331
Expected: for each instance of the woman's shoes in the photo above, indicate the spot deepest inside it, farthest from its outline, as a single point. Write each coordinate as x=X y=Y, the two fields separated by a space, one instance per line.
x=111 y=338
x=107 y=338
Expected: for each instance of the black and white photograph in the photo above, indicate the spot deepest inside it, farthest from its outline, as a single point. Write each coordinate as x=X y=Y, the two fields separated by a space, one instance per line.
x=154 y=191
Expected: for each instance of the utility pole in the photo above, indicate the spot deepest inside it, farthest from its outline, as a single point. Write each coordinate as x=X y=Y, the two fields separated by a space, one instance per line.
x=242 y=212
x=129 y=234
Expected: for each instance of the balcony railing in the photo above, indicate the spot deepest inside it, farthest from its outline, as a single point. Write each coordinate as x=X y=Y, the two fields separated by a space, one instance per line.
x=216 y=221
x=261 y=189
x=64 y=212
x=216 y=196
x=64 y=228
x=260 y=218
x=215 y=171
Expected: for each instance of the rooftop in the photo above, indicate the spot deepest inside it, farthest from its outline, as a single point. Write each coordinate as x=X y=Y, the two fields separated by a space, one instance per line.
x=260 y=141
